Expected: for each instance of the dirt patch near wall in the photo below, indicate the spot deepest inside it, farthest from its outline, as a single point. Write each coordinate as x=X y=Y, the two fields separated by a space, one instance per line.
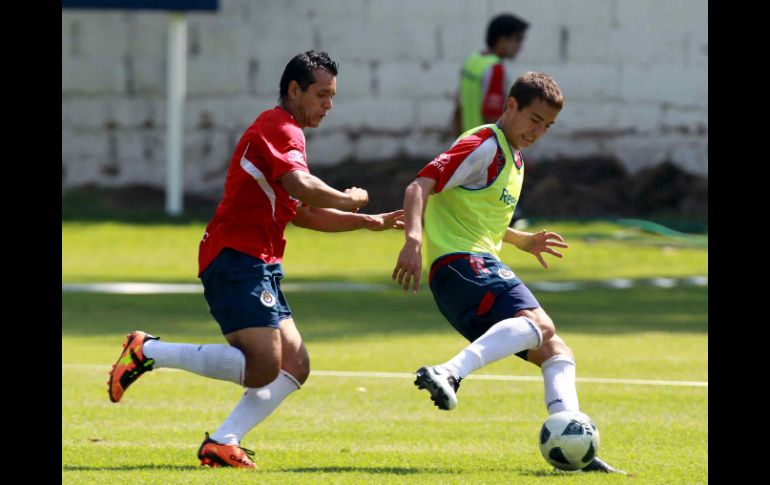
x=591 y=187
x=602 y=187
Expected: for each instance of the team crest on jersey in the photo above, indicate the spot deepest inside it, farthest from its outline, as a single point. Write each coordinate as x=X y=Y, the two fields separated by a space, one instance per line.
x=267 y=299
x=505 y=273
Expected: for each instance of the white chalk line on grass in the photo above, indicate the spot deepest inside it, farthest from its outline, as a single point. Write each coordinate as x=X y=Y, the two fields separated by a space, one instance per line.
x=493 y=377
x=481 y=377
x=138 y=288
x=128 y=288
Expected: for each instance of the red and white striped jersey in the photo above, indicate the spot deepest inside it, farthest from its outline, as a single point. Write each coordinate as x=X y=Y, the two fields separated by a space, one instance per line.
x=473 y=162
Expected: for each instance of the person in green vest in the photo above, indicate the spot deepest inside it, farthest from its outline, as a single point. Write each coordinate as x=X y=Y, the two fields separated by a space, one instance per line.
x=466 y=197
x=483 y=79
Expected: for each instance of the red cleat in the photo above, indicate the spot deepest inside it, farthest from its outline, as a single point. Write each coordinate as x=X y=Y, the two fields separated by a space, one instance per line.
x=215 y=454
x=130 y=365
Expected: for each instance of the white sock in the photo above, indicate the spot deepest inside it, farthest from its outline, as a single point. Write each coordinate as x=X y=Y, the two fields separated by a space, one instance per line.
x=255 y=405
x=217 y=361
x=559 y=380
x=504 y=338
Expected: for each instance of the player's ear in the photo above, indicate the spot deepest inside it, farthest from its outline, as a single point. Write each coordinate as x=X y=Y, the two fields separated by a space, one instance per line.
x=294 y=89
x=511 y=103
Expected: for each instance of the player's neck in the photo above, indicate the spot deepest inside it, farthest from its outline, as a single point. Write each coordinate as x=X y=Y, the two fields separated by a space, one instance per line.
x=286 y=106
x=498 y=50
x=508 y=136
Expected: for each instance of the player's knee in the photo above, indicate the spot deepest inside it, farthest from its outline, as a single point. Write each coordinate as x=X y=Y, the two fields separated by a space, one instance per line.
x=556 y=346
x=302 y=373
x=545 y=325
x=261 y=375
x=300 y=369
x=542 y=321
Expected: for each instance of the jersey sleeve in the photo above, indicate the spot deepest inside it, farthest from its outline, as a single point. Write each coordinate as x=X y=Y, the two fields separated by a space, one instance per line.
x=493 y=104
x=286 y=147
x=464 y=162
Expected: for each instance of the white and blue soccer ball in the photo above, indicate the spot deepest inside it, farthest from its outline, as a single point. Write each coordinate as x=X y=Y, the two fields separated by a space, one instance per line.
x=569 y=440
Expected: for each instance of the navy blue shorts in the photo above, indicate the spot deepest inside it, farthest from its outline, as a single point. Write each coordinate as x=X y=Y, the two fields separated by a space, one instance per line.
x=475 y=291
x=242 y=291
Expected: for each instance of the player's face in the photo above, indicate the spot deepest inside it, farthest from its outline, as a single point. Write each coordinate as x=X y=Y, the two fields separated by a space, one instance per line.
x=512 y=45
x=525 y=127
x=315 y=103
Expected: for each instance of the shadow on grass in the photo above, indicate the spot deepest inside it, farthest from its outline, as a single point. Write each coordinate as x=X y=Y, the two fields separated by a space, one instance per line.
x=331 y=315
x=421 y=470
x=555 y=474
x=384 y=470
x=133 y=204
x=127 y=468
x=542 y=473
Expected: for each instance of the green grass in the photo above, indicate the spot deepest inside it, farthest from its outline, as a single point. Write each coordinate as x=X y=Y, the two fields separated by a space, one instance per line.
x=354 y=430
x=351 y=430
x=115 y=251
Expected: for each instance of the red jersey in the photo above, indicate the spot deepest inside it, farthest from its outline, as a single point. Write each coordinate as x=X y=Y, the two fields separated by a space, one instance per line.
x=255 y=207
x=494 y=88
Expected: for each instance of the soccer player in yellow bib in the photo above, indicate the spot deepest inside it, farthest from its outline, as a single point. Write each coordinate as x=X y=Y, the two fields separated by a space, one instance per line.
x=466 y=196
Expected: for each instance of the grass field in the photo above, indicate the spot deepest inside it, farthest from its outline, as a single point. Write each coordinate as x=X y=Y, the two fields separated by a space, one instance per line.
x=382 y=430
x=114 y=251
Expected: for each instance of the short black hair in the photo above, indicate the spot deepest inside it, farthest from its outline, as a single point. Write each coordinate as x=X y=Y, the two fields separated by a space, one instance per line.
x=505 y=25
x=300 y=68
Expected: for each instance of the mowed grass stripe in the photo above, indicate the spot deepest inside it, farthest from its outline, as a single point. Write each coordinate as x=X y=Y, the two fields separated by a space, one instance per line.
x=481 y=377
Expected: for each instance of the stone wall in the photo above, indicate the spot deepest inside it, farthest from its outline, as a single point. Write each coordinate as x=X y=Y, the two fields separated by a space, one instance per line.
x=634 y=74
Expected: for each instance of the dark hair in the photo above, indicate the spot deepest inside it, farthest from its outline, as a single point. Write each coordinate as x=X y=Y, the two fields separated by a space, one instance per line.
x=531 y=85
x=504 y=25
x=300 y=68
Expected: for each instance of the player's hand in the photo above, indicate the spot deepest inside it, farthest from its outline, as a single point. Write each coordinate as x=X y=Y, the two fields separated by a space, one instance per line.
x=358 y=197
x=387 y=220
x=408 y=266
x=543 y=242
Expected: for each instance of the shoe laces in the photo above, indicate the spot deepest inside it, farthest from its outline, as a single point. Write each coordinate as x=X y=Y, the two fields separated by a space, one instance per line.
x=245 y=450
x=455 y=382
x=248 y=452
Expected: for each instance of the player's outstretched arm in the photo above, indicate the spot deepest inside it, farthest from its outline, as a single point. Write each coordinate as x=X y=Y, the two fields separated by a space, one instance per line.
x=409 y=262
x=314 y=192
x=332 y=220
x=537 y=244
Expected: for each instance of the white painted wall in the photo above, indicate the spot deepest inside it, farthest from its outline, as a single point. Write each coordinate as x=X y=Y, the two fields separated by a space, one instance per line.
x=634 y=74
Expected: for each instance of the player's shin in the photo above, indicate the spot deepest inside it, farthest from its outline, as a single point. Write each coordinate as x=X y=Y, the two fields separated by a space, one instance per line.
x=559 y=381
x=254 y=407
x=504 y=338
x=216 y=361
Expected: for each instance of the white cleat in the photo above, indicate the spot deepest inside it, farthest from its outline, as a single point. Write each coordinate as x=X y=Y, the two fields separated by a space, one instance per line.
x=441 y=385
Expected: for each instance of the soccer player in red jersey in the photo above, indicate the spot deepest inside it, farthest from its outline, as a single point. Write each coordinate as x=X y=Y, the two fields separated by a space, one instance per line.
x=268 y=185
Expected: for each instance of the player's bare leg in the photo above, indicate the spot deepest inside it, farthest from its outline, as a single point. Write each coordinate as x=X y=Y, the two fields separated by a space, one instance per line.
x=267 y=385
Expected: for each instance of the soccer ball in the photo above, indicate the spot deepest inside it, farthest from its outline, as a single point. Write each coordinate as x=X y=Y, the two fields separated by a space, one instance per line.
x=569 y=440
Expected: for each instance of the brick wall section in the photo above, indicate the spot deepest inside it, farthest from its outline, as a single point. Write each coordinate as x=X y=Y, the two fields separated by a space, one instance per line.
x=634 y=74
